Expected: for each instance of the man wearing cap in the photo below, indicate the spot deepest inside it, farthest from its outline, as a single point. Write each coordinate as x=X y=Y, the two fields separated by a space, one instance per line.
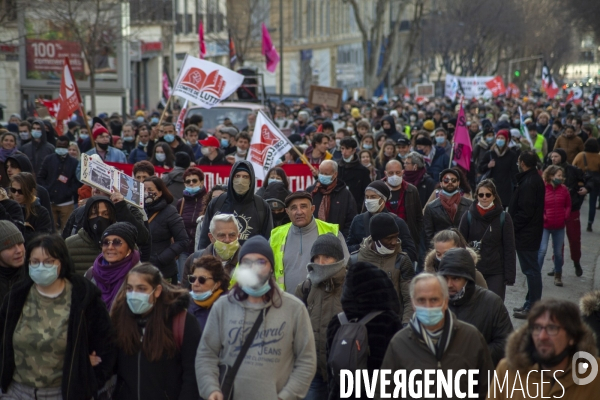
x=12 y=257
x=177 y=144
x=356 y=176
x=376 y=196
x=473 y=304
x=404 y=199
x=291 y=242
x=275 y=194
x=252 y=212
x=446 y=211
x=321 y=292
x=435 y=157
x=38 y=148
x=384 y=250
x=402 y=148
x=211 y=152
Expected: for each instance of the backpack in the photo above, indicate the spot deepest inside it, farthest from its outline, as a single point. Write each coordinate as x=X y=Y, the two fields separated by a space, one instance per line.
x=258 y=203
x=350 y=346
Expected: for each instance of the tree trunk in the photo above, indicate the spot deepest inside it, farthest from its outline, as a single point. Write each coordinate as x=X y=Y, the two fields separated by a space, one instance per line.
x=93 y=91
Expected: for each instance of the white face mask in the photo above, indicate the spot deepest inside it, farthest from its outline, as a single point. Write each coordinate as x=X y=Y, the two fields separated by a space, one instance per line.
x=372 y=205
x=381 y=249
x=394 y=180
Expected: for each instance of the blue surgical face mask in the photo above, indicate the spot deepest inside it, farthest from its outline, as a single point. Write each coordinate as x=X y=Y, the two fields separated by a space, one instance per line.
x=36 y=134
x=489 y=140
x=449 y=194
x=193 y=190
x=257 y=292
x=325 y=179
x=142 y=144
x=421 y=152
x=367 y=146
x=440 y=139
x=154 y=120
x=43 y=274
x=139 y=303
x=224 y=143
x=500 y=142
x=61 y=151
x=429 y=316
x=169 y=137
x=129 y=138
x=160 y=157
x=273 y=180
x=83 y=136
x=201 y=296
x=140 y=119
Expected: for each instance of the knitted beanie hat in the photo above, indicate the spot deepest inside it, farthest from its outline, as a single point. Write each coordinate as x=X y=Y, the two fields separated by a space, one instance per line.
x=9 y=235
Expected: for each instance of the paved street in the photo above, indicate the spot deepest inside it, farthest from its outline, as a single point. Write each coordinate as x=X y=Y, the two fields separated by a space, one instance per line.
x=574 y=287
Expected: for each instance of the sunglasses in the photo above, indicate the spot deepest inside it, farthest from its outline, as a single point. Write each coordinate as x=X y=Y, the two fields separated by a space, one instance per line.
x=13 y=190
x=201 y=279
x=448 y=180
x=191 y=181
x=482 y=195
x=115 y=242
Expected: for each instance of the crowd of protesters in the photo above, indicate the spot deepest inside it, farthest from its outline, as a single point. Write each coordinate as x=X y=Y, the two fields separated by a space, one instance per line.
x=246 y=290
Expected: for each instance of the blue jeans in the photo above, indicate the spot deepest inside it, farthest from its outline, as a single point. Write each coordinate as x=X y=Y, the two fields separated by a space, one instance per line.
x=318 y=388
x=532 y=271
x=558 y=239
x=594 y=194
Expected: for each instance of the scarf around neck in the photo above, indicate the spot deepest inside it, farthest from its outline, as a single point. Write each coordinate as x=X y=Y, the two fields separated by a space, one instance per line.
x=450 y=204
x=209 y=302
x=326 y=191
x=4 y=154
x=110 y=277
x=318 y=273
x=414 y=177
x=443 y=337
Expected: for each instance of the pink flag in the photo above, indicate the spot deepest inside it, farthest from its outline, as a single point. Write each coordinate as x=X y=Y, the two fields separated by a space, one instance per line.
x=166 y=86
x=201 y=41
x=268 y=50
x=462 y=141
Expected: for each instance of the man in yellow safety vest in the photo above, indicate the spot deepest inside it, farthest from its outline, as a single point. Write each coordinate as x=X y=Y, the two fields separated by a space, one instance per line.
x=291 y=243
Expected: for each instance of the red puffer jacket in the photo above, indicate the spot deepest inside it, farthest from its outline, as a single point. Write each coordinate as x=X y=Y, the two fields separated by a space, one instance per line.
x=557 y=206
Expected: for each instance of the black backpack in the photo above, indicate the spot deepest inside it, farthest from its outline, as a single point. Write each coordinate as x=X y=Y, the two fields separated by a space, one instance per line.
x=350 y=346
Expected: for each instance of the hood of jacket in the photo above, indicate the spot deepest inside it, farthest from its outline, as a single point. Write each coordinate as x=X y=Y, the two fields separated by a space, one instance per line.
x=232 y=196
x=277 y=191
x=180 y=304
x=43 y=128
x=22 y=161
x=176 y=175
x=88 y=206
x=432 y=264
x=392 y=130
x=368 y=288
x=518 y=347
x=590 y=303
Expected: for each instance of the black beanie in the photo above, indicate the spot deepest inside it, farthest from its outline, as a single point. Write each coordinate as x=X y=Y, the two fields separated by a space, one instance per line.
x=381 y=188
x=457 y=262
x=327 y=245
x=182 y=159
x=258 y=245
x=382 y=225
x=125 y=231
x=424 y=141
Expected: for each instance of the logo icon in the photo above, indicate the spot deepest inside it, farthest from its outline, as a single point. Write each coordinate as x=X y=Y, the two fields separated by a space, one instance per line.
x=196 y=79
x=258 y=151
x=582 y=367
x=344 y=342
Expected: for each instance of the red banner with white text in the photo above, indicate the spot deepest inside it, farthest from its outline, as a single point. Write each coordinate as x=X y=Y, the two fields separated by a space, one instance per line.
x=299 y=175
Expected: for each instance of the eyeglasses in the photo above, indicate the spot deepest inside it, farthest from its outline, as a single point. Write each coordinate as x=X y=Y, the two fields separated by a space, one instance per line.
x=201 y=279
x=13 y=190
x=115 y=242
x=191 y=181
x=448 y=180
x=260 y=263
x=482 y=195
x=551 y=330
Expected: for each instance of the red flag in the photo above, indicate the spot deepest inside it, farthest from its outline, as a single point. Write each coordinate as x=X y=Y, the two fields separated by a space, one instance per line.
x=232 y=52
x=268 y=50
x=52 y=106
x=513 y=91
x=202 y=52
x=496 y=86
x=575 y=95
x=69 y=99
x=462 y=141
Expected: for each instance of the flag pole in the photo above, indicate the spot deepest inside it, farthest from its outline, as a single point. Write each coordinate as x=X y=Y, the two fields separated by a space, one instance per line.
x=164 y=110
x=87 y=124
x=451 y=155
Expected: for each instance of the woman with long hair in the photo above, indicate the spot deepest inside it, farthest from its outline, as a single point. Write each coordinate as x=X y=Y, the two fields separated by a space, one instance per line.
x=162 y=156
x=366 y=159
x=156 y=338
x=386 y=153
x=37 y=218
x=557 y=207
x=285 y=339
x=275 y=174
x=208 y=281
x=490 y=230
x=169 y=237
x=56 y=333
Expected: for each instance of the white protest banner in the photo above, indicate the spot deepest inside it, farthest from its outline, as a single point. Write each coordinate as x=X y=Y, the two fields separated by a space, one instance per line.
x=471 y=86
x=267 y=147
x=205 y=83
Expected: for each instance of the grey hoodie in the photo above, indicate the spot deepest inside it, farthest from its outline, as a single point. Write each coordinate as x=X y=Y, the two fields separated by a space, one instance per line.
x=280 y=363
x=38 y=150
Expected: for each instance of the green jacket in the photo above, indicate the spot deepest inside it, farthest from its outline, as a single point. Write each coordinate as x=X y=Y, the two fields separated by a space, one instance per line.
x=83 y=251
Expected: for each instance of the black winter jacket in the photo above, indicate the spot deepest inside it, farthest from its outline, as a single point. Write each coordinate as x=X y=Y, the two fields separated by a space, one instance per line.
x=425 y=187
x=357 y=177
x=527 y=210
x=53 y=167
x=169 y=378
x=497 y=254
x=37 y=151
x=193 y=205
x=359 y=229
x=342 y=208
x=11 y=211
x=486 y=311
x=38 y=223
x=367 y=288
x=89 y=330
x=436 y=219
x=252 y=220
x=181 y=146
x=504 y=172
x=165 y=226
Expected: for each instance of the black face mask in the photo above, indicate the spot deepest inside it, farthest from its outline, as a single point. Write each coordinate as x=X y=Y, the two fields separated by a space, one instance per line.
x=554 y=361
x=98 y=225
x=103 y=146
